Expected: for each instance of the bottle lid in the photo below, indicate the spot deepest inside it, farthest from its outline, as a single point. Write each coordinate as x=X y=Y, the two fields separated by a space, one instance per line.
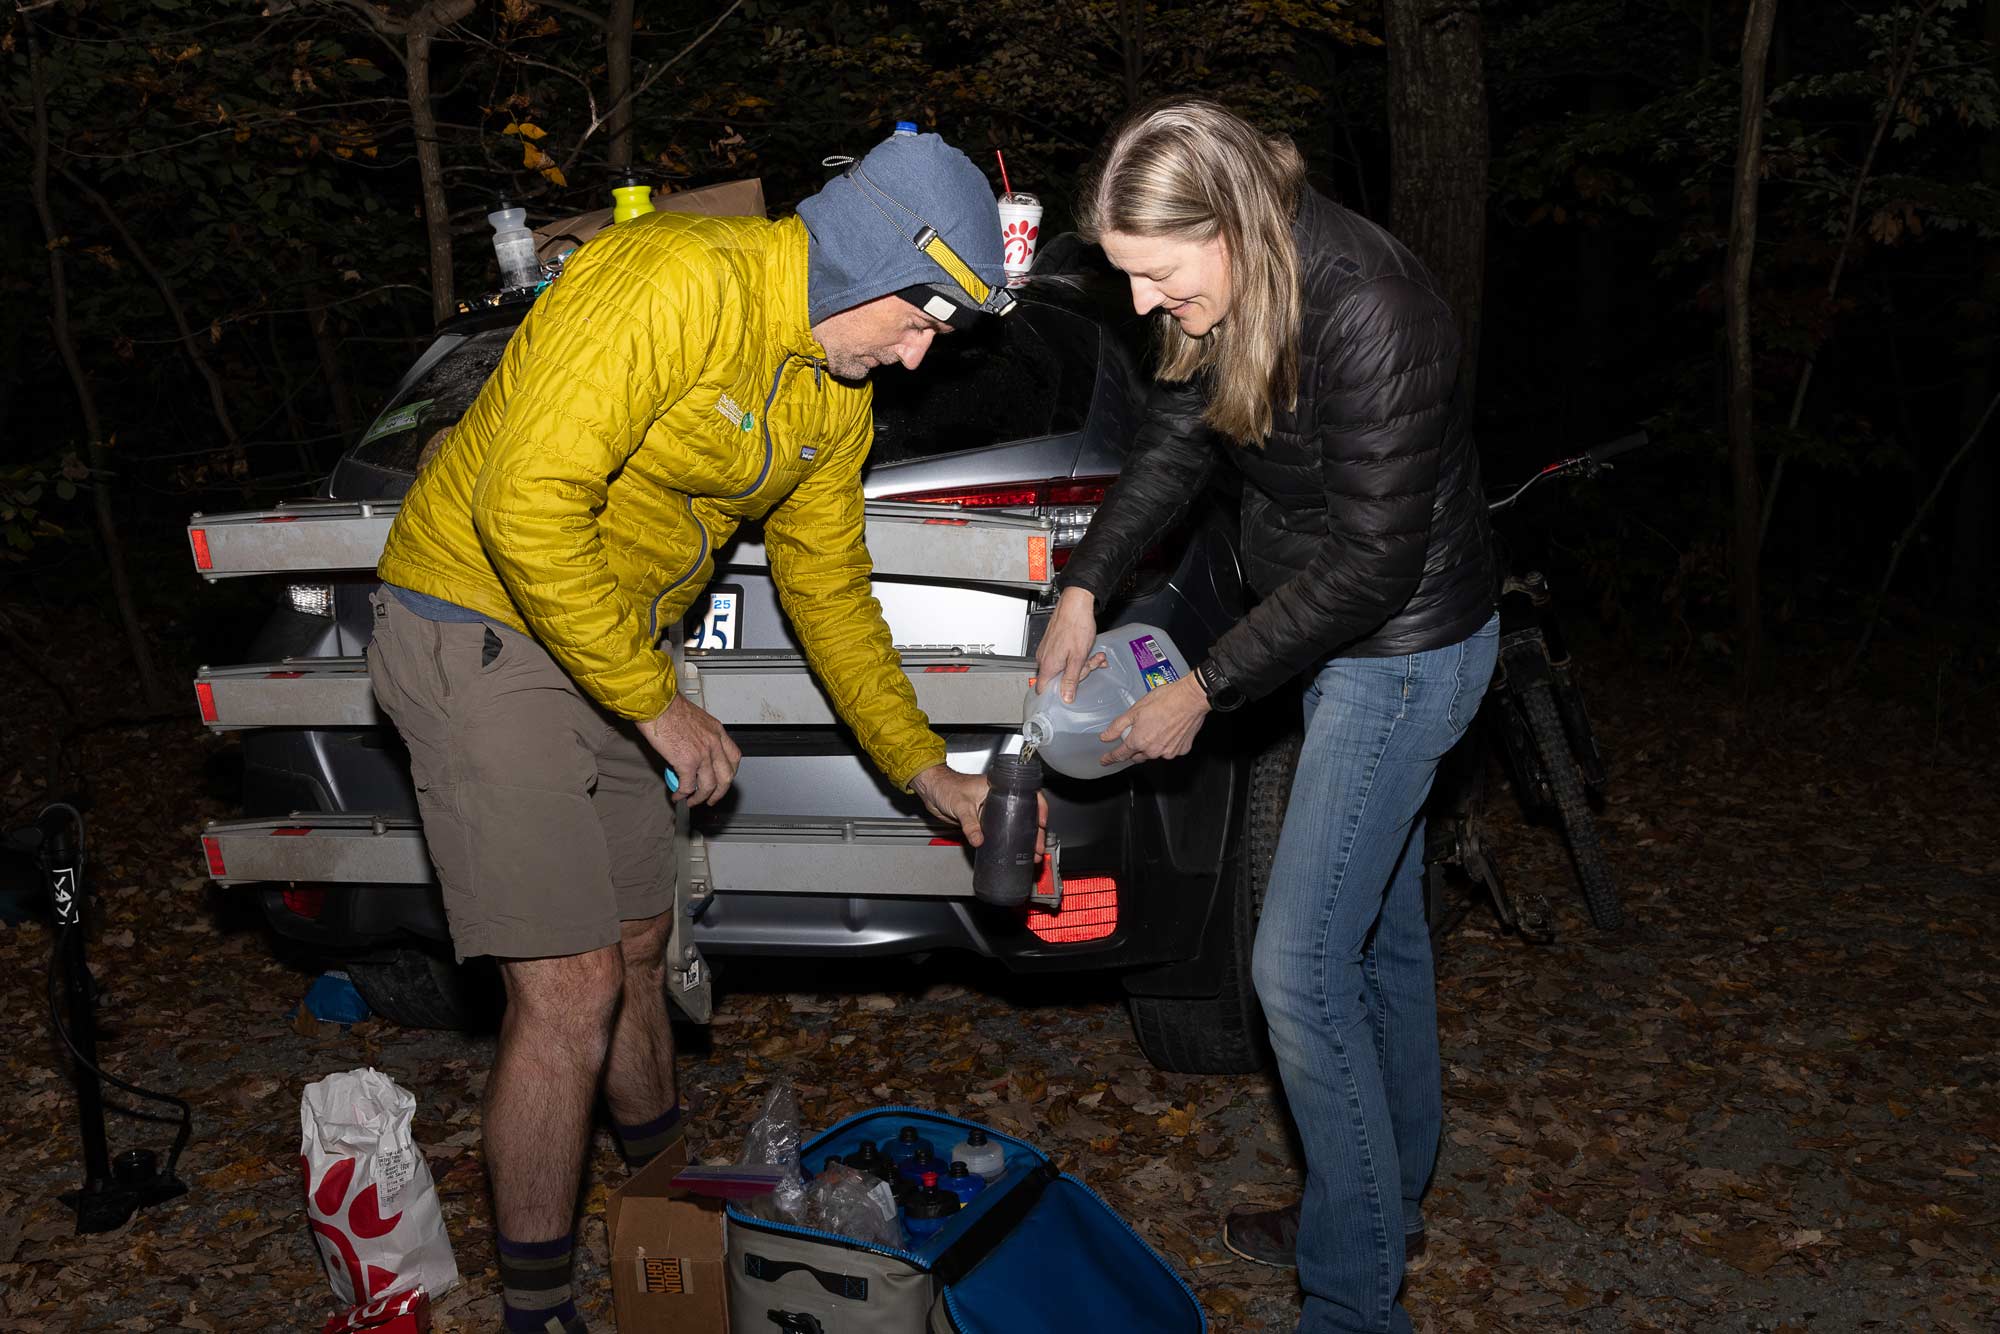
x=930 y=1181
x=975 y=1137
x=908 y=1134
x=906 y=127
x=959 y=1169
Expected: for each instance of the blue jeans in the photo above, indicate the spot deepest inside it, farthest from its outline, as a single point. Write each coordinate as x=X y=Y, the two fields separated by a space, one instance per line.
x=1343 y=968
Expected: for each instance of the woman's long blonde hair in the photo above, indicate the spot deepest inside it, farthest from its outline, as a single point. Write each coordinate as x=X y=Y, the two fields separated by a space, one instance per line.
x=1186 y=169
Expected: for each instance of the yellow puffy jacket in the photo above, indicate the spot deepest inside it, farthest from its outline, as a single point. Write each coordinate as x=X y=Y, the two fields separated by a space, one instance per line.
x=664 y=389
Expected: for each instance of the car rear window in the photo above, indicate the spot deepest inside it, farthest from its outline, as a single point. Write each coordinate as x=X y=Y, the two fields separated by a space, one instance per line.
x=1017 y=378
x=433 y=401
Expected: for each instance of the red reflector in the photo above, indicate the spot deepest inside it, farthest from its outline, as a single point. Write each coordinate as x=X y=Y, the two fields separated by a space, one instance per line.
x=202 y=560
x=305 y=902
x=947 y=842
x=279 y=518
x=283 y=676
x=214 y=851
x=947 y=523
x=1089 y=910
x=204 y=695
x=950 y=667
x=291 y=831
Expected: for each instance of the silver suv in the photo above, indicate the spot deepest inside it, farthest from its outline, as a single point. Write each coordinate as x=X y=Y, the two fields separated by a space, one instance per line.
x=986 y=466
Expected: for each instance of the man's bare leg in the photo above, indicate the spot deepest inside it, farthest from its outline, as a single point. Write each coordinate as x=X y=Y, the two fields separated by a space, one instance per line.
x=639 y=1081
x=553 y=1041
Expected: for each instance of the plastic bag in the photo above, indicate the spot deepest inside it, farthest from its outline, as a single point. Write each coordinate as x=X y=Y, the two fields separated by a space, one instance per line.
x=774 y=1138
x=854 y=1204
x=369 y=1197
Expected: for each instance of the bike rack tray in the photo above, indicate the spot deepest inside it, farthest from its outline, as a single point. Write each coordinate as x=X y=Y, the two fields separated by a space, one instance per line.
x=318 y=848
x=754 y=687
x=763 y=855
x=297 y=692
x=309 y=537
x=741 y=688
x=905 y=541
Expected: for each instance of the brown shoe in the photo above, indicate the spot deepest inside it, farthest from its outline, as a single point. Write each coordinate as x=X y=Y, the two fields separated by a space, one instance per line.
x=1263 y=1235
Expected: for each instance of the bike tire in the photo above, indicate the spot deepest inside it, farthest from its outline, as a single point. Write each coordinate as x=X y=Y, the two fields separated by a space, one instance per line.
x=1579 y=826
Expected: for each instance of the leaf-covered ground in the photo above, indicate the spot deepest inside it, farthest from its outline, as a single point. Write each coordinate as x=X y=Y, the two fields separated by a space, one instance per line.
x=1769 y=1104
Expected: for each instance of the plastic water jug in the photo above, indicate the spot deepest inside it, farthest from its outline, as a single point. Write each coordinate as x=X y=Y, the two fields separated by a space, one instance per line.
x=1140 y=658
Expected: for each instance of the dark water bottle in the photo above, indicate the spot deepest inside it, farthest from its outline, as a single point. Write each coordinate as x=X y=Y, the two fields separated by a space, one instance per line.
x=904 y=1146
x=920 y=1162
x=1003 y=870
x=929 y=1208
x=962 y=1182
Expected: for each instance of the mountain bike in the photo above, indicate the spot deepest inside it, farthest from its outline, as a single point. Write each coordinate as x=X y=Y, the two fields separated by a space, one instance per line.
x=1534 y=722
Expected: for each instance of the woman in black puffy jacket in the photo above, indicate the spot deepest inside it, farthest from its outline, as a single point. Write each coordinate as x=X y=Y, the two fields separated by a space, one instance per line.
x=1307 y=348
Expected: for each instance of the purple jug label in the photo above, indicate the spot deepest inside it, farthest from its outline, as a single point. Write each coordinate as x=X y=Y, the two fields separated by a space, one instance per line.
x=1153 y=664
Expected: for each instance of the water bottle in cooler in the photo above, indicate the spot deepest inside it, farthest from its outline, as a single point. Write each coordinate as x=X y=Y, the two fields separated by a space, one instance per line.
x=980 y=1155
x=1139 y=658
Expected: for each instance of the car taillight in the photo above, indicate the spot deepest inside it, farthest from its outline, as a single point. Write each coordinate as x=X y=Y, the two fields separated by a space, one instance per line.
x=1089 y=911
x=305 y=902
x=1066 y=502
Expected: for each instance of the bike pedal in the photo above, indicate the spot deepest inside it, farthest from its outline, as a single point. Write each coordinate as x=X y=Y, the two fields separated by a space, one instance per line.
x=1535 y=919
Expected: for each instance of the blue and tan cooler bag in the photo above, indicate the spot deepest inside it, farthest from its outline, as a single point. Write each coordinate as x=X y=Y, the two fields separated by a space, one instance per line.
x=1036 y=1252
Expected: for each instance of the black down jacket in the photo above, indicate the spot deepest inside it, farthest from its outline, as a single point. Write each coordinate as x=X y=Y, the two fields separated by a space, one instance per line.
x=1364 y=523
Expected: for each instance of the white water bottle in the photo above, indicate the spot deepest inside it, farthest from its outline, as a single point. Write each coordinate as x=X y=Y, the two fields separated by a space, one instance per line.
x=980 y=1155
x=1139 y=658
x=514 y=246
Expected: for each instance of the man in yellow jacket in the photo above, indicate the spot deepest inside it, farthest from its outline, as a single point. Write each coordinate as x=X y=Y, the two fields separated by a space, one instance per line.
x=683 y=375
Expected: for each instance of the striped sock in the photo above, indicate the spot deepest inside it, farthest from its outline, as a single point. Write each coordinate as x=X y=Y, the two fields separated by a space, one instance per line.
x=642 y=1143
x=535 y=1276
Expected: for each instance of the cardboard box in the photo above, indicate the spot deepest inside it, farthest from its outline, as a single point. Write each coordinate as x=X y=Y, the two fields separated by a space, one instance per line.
x=669 y=1254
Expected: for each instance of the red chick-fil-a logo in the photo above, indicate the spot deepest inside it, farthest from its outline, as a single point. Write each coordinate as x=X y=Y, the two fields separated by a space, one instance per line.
x=360 y=1216
x=1019 y=239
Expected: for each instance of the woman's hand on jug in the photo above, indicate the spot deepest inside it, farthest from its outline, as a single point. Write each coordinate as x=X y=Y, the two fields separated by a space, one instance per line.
x=1161 y=725
x=1065 y=648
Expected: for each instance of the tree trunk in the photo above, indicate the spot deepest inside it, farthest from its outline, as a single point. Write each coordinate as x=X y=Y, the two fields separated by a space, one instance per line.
x=1972 y=544
x=1746 y=529
x=618 y=73
x=1438 y=152
x=93 y=427
x=190 y=342
x=1132 y=49
x=320 y=320
x=423 y=26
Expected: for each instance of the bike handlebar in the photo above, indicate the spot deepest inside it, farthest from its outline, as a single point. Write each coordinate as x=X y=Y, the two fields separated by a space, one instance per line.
x=1611 y=449
x=1587 y=463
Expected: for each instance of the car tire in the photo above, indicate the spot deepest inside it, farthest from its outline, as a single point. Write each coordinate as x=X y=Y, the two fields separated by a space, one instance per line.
x=1224 y=1034
x=418 y=989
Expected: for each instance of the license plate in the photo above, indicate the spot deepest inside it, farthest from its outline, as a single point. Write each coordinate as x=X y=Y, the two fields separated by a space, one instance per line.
x=721 y=625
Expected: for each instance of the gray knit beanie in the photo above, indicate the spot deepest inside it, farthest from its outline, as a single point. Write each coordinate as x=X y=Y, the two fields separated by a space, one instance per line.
x=865 y=221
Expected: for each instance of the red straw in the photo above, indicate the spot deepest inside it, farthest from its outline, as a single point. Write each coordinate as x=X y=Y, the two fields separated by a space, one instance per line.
x=1003 y=171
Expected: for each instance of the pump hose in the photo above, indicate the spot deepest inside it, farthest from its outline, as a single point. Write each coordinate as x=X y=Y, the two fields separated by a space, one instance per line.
x=186 y=1131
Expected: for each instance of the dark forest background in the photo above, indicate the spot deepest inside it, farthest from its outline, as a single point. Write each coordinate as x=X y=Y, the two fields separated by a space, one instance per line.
x=235 y=221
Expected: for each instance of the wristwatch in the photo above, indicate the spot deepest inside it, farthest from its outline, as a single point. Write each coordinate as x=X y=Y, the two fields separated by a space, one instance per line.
x=1215 y=683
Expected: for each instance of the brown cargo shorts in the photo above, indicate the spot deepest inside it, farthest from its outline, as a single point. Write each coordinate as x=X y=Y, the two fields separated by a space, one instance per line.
x=547 y=818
